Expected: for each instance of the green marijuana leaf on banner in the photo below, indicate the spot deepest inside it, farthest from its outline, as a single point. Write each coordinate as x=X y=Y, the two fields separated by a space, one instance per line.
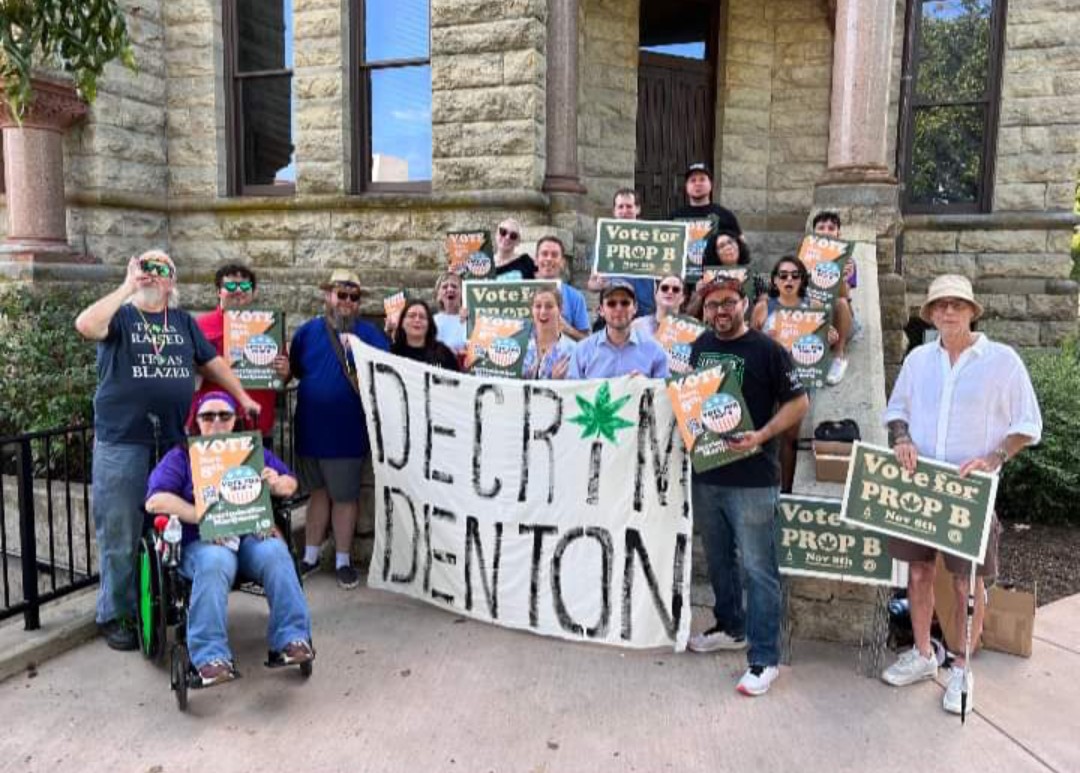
x=601 y=417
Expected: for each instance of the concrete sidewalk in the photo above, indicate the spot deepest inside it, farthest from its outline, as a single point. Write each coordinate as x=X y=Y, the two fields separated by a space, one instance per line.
x=400 y=686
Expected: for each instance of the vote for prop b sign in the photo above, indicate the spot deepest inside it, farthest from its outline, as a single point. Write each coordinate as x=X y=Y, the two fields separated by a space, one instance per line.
x=932 y=506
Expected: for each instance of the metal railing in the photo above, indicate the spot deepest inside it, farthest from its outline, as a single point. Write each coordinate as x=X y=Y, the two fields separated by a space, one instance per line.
x=45 y=526
x=47 y=545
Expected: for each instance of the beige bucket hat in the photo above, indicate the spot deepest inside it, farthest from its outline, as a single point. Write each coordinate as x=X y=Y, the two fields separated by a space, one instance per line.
x=949 y=286
x=341 y=276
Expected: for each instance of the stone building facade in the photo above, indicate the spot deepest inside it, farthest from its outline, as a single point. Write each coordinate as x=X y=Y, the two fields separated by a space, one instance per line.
x=536 y=112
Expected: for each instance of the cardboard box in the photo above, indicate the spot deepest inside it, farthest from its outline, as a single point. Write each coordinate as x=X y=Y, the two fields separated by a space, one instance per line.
x=1009 y=623
x=831 y=459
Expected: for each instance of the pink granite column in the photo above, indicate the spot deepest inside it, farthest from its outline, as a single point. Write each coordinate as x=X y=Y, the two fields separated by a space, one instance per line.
x=562 y=90
x=34 y=170
x=862 y=60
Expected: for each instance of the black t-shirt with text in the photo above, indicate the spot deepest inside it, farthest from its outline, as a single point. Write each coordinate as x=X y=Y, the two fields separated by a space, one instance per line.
x=768 y=381
x=146 y=377
x=723 y=219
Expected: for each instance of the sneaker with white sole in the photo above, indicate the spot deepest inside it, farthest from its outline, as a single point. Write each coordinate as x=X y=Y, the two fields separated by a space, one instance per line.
x=757 y=680
x=911 y=667
x=951 y=701
x=716 y=640
x=836 y=371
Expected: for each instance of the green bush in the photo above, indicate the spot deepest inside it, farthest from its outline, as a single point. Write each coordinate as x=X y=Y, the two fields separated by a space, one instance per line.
x=49 y=373
x=1043 y=483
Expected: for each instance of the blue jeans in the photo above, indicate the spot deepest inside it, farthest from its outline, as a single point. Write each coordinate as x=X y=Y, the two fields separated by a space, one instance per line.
x=734 y=519
x=120 y=471
x=212 y=570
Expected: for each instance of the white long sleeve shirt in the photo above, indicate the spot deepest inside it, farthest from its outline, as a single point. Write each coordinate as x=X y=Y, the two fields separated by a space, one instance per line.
x=958 y=412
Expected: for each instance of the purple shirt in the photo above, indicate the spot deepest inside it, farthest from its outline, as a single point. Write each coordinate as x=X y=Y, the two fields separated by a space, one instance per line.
x=173 y=476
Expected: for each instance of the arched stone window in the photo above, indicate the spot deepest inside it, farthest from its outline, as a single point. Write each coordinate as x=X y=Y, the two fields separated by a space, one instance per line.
x=949 y=112
x=259 y=114
x=391 y=91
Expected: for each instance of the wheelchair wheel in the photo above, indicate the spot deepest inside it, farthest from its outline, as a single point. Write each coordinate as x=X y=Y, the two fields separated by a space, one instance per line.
x=179 y=673
x=150 y=607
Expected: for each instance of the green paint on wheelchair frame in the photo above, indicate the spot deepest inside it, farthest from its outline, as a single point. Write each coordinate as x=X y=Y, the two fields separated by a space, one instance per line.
x=146 y=602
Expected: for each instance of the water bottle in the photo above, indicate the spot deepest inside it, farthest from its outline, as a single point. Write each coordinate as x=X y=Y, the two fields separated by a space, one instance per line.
x=172 y=535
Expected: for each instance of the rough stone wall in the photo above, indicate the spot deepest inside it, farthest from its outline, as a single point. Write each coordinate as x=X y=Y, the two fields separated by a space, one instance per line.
x=1018 y=256
x=488 y=97
x=607 y=99
x=121 y=149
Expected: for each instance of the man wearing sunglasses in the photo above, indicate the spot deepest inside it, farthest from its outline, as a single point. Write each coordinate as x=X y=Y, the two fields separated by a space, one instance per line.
x=236 y=289
x=734 y=505
x=331 y=431
x=148 y=354
x=617 y=349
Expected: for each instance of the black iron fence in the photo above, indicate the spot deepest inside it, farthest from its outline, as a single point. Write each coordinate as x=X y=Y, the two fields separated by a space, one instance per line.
x=47 y=546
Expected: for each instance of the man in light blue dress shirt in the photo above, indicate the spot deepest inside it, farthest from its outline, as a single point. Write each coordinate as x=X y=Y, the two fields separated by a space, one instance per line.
x=618 y=350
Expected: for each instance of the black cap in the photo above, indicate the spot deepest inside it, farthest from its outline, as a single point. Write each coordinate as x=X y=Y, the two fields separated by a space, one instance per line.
x=618 y=284
x=698 y=166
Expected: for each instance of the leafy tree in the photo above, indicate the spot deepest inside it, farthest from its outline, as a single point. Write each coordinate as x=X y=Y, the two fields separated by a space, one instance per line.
x=79 y=37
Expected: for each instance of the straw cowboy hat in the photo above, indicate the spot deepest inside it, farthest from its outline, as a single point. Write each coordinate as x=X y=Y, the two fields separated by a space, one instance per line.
x=341 y=276
x=949 y=286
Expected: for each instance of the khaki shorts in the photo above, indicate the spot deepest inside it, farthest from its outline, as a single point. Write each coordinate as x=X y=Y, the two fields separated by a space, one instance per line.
x=340 y=477
x=902 y=550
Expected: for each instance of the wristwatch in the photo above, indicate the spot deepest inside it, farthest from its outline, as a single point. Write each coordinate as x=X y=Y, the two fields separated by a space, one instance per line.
x=1002 y=455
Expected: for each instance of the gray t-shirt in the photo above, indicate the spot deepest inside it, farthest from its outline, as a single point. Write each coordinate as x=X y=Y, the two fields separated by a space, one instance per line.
x=147 y=376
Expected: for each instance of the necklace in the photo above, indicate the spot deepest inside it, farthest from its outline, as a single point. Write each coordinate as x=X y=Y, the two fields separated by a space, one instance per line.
x=156 y=334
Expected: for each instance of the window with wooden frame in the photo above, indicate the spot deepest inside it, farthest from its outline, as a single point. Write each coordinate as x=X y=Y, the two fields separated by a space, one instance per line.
x=950 y=99
x=259 y=113
x=391 y=95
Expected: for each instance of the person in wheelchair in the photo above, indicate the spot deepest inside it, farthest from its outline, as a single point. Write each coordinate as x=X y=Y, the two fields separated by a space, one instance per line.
x=212 y=567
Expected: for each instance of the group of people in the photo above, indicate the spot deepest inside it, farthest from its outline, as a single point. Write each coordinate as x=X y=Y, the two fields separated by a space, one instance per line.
x=962 y=399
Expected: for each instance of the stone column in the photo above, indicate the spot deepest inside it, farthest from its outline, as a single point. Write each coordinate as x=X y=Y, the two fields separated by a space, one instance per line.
x=862 y=59
x=34 y=173
x=562 y=89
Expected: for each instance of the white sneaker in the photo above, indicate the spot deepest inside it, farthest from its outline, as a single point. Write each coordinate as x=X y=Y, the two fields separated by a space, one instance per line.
x=911 y=667
x=836 y=371
x=951 y=702
x=757 y=680
x=715 y=640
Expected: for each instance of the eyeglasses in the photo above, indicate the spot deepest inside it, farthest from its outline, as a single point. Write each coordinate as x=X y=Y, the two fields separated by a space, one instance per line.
x=210 y=416
x=508 y=234
x=623 y=302
x=354 y=296
x=245 y=286
x=729 y=305
x=788 y=275
x=725 y=244
x=153 y=268
x=946 y=304
x=670 y=288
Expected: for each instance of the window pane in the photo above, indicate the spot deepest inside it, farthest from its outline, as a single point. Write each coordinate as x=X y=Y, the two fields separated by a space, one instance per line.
x=686 y=50
x=401 y=124
x=676 y=29
x=954 y=50
x=946 y=164
x=267 y=136
x=264 y=35
x=395 y=29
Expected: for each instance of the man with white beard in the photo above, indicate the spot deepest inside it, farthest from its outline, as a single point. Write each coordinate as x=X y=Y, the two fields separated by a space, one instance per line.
x=149 y=352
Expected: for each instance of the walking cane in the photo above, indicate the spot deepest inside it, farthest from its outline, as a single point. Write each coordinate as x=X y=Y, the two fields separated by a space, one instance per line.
x=967 y=644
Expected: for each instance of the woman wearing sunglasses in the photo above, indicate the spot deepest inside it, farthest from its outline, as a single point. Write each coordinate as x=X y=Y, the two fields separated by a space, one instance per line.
x=509 y=265
x=414 y=337
x=212 y=566
x=669 y=301
x=236 y=289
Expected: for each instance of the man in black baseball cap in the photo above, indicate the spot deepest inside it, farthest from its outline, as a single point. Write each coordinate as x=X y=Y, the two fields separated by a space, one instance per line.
x=698 y=184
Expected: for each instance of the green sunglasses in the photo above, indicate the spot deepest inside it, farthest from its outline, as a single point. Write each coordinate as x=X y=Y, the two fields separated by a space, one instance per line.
x=153 y=268
x=244 y=286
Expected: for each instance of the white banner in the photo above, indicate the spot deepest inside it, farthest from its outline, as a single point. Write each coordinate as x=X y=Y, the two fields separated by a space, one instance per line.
x=558 y=507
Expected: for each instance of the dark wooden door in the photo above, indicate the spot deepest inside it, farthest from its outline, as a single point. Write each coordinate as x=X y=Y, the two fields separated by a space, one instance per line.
x=674 y=127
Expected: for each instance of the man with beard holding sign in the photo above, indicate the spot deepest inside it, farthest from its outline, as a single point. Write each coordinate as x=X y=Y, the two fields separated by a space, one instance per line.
x=735 y=504
x=148 y=353
x=966 y=400
x=331 y=432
